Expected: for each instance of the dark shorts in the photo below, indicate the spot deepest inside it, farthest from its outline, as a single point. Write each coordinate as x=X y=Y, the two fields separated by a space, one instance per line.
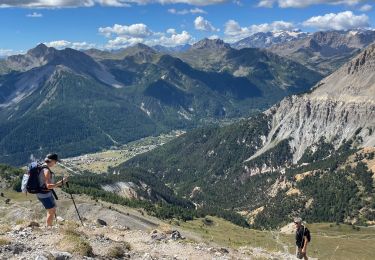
x=48 y=202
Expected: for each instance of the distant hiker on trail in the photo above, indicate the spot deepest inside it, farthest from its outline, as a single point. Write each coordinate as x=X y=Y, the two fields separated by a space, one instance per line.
x=46 y=177
x=303 y=237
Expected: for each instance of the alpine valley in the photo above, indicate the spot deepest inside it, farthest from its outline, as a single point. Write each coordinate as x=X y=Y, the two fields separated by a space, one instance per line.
x=78 y=102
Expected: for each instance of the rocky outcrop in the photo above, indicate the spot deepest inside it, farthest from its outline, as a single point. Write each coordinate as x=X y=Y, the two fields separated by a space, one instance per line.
x=339 y=107
x=125 y=189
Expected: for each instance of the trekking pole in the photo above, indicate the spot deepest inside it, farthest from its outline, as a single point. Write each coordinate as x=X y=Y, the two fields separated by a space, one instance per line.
x=71 y=195
x=75 y=206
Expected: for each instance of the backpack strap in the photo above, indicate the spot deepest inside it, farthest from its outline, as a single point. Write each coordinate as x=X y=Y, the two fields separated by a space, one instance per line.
x=43 y=166
x=303 y=235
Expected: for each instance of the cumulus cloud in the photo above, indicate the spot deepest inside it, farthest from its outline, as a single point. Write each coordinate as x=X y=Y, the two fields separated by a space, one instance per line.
x=235 y=32
x=138 y=30
x=190 y=2
x=171 y=31
x=173 y=40
x=90 y=3
x=8 y=52
x=202 y=24
x=214 y=37
x=115 y=3
x=62 y=44
x=123 y=41
x=340 y=21
x=34 y=15
x=304 y=3
x=46 y=3
x=187 y=11
x=121 y=36
x=365 y=8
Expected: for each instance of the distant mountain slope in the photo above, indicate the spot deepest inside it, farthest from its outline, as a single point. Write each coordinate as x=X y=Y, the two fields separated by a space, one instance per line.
x=258 y=65
x=267 y=39
x=171 y=50
x=326 y=51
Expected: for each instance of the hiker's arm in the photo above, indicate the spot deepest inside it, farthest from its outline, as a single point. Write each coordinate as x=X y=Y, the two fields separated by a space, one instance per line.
x=49 y=184
x=304 y=244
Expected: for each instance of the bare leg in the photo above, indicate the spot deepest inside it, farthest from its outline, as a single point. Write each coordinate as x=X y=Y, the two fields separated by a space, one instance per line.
x=50 y=215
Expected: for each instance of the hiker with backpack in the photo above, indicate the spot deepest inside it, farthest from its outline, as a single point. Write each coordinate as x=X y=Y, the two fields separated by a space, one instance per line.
x=303 y=237
x=40 y=181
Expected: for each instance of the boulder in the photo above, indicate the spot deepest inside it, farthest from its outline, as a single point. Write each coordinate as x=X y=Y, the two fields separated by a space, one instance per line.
x=33 y=224
x=61 y=255
x=101 y=222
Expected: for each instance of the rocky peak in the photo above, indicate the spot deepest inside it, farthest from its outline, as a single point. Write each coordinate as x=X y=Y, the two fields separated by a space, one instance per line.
x=211 y=44
x=353 y=82
x=40 y=50
x=267 y=39
x=140 y=47
x=365 y=59
x=349 y=39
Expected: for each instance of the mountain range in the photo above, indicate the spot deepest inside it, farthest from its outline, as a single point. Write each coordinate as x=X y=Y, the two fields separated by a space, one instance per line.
x=308 y=155
x=323 y=51
x=267 y=39
x=76 y=102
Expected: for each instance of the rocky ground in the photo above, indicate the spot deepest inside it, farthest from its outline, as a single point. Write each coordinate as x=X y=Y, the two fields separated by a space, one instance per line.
x=108 y=233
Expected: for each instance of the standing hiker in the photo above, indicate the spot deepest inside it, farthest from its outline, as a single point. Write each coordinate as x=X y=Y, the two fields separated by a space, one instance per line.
x=46 y=177
x=303 y=237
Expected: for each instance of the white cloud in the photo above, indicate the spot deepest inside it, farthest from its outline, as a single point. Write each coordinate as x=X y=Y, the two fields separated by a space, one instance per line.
x=171 y=31
x=7 y=52
x=187 y=11
x=62 y=44
x=121 y=36
x=138 y=30
x=123 y=41
x=175 y=39
x=46 y=3
x=190 y=2
x=365 y=8
x=266 y=3
x=115 y=3
x=340 y=21
x=202 y=24
x=235 y=32
x=90 y=3
x=35 y=15
x=233 y=28
x=304 y=3
x=214 y=37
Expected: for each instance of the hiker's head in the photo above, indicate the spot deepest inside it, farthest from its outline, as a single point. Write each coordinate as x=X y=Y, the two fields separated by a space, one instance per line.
x=51 y=159
x=297 y=222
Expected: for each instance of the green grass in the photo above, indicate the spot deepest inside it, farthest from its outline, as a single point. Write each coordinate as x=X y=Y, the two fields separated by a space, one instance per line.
x=227 y=234
x=101 y=161
x=17 y=196
x=329 y=241
x=74 y=242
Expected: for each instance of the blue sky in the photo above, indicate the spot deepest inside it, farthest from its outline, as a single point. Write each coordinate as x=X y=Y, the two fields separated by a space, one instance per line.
x=91 y=23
